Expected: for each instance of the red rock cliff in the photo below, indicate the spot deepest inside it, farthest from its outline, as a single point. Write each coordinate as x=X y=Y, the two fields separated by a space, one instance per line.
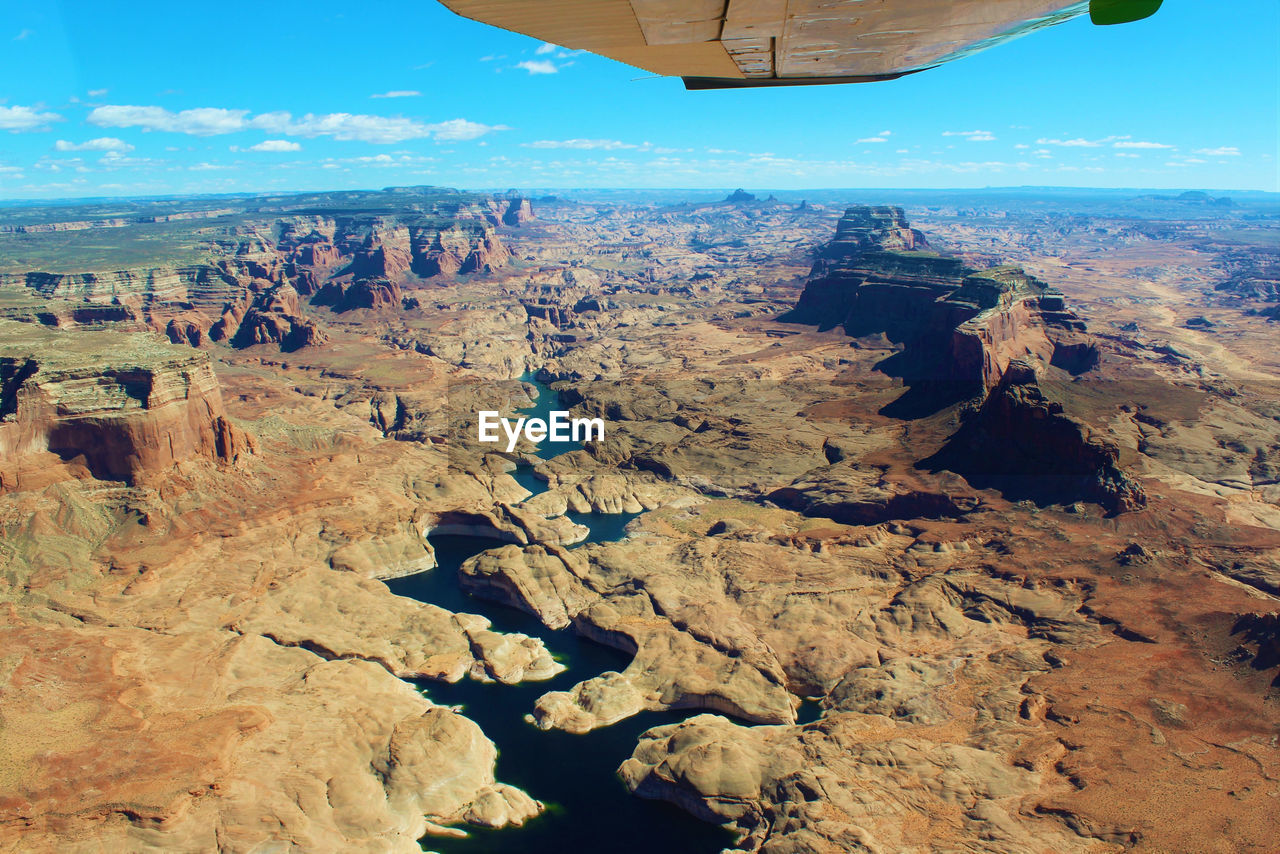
x=125 y=408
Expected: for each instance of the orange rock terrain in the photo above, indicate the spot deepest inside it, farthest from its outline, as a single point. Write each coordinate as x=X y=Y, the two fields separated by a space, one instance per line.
x=960 y=536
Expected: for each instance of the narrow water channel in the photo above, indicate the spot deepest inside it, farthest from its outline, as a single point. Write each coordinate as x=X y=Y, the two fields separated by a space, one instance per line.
x=588 y=808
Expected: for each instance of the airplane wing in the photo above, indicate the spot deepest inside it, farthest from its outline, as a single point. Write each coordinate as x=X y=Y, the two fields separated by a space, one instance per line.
x=716 y=44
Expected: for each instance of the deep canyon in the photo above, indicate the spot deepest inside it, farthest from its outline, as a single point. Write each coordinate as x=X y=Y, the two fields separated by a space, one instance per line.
x=949 y=525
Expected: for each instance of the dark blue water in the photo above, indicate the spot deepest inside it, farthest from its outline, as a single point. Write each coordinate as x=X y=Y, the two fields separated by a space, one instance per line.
x=810 y=710
x=588 y=808
x=546 y=401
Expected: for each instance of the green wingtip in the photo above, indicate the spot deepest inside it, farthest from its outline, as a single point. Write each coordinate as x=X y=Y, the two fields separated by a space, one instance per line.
x=1107 y=12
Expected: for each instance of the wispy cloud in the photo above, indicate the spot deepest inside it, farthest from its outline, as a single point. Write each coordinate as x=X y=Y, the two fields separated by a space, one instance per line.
x=102 y=143
x=604 y=145
x=1115 y=141
x=538 y=66
x=26 y=118
x=398 y=93
x=97 y=93
x=275 y=145
x=972 y=135
x=883 y=136
x=462 y=130
x=1140 y=144
x=1078 y=142
x=582 y=144
x=212 y=121
x=1222 y=151
x=545 y=48
x=201 y=121
x=24 y=35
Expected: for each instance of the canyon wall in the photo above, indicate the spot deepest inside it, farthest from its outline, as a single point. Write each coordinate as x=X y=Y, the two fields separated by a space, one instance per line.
x=955 y=324
x=256 y=279
x=123 y=409
x=964 y=334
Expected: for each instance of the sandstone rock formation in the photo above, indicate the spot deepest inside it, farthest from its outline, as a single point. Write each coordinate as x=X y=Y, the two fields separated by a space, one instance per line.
x=1022 y=440
x=897 y=658
x=140 y=756
x=246 y=289
x=809 y=789
x=123 y=407
x=964 y=334
x=957 y=326
x=364 y=293
x=271 y=316
x=513 y=210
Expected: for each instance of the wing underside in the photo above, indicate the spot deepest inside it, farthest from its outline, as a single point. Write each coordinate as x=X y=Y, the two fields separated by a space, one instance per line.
x=742 y=43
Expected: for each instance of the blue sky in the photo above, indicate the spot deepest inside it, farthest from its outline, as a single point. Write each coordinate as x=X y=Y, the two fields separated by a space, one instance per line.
x=138 y=98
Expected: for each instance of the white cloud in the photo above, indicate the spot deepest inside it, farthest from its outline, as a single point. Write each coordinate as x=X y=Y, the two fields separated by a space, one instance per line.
x=1078 y=142
x=1150 y=145
x=375 y=129
x=582 y=144
x=399 y=93
x=24 y=35
x=538 y=66
x=201 y=121
x=102 y=143
x=883 y=136
x=461 y=130
x=120 y=159
x=275 y=145
x=25 y=118
x=97 y=93
x=972 y=135
x=209 y=121
x=545 y=48
x=1127 y=154
x=1223 y=151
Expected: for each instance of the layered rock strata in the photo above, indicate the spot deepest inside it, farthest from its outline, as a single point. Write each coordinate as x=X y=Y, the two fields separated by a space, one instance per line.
x=124 y=406
x=955 y=324
x=1022 y=441
x=251 y=283
x=961 y=334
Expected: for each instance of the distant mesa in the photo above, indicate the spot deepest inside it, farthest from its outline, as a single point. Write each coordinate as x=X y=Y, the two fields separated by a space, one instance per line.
x=740 y=197
x=958 y=328
x=1203 y=198
x=119 y=406
x=961 y=334
x=1193 y=197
